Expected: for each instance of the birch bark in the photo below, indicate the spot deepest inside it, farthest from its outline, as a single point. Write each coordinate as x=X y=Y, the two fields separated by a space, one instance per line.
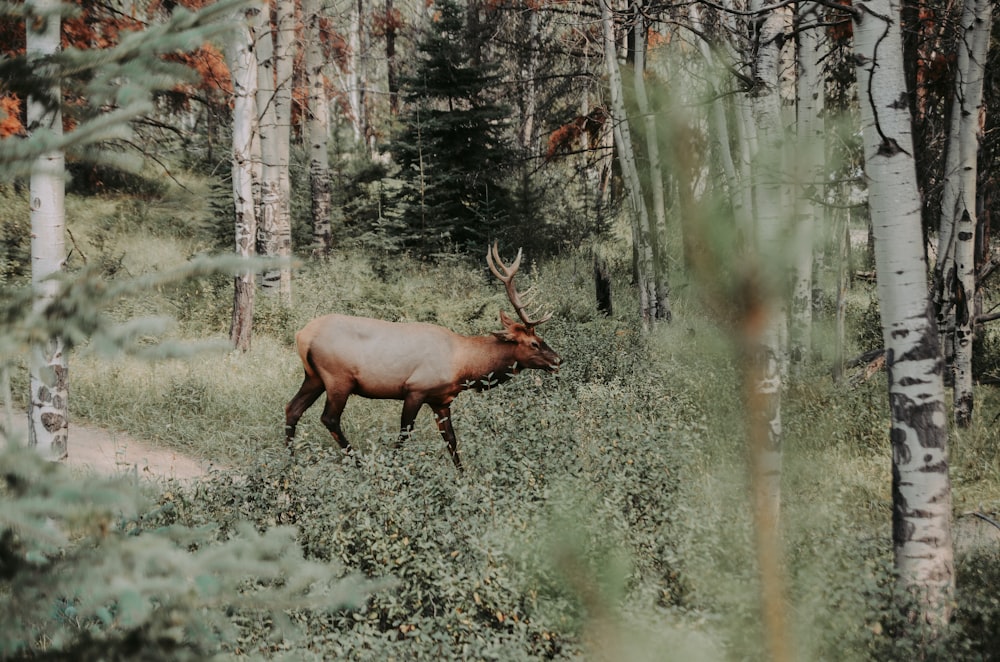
x=243 y=71
x=921 y=491
x=769 y=358
x=284 y=55
x=630 y=173
x=319 y=121
x=658 y=220
x=810 y=93
x=48 y=415
x=977 y=19
x=270 y=198
x=771 y=193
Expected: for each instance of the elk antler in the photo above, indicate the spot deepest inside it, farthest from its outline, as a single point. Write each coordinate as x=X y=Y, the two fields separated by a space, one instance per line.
x=507 y=278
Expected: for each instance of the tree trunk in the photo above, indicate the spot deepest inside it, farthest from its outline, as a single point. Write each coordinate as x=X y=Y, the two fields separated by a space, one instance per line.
x=810 y=93
x=243 y=70
x=48 y=416
x=284 y=55
x=267 y=231
x=357 y=75
x=602 y=285
x=528 y=101
x=658 y=221
x=319 y=121
x=977 y=19
x=641 y=239
x=391 y=77
x=768 y=356
x=921 y=491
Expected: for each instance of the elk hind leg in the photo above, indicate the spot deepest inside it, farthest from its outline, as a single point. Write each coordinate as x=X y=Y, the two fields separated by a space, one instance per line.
x=311 y=389
x=335 y=403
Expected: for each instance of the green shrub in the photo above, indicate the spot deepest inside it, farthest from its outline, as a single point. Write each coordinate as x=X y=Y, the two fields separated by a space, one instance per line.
x=88 y=570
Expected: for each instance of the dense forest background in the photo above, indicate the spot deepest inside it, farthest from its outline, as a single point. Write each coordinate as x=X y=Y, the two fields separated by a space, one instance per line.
x=763 y=233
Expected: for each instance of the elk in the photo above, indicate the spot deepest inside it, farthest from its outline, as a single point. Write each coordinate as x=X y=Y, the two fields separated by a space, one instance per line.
x=414 y=362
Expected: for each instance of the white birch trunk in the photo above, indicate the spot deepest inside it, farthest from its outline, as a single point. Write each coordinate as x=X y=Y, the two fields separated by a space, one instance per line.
x=267 y=231
x=945 y=276
x=243 y=71
x=743 y=127
x=810 y=93
x=284 y=55
x=353 y=70
x=772 y=204
x=921 y=491
x=48 y=415
x=630 y=174
x=319 y=121
x=658 y=221
x=719 y=125
x=746 y=140
x=977 y=19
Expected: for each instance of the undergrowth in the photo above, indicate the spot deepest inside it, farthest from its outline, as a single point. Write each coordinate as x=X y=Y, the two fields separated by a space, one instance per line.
x=604 y=510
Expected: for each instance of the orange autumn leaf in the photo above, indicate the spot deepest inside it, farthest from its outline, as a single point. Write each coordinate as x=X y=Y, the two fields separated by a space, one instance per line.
x=10 y=116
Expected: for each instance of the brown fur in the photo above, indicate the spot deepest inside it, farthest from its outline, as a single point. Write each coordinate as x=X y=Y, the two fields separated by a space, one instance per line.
x=413 y=362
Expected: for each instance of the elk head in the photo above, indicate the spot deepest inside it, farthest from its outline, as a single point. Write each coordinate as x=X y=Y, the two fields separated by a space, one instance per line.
x=531 y=351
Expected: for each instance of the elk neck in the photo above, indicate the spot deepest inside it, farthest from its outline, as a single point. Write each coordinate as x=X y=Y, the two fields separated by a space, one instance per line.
x=487 y=361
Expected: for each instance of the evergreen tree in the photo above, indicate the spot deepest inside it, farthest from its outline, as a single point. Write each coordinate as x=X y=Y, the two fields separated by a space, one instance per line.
x=453 y=148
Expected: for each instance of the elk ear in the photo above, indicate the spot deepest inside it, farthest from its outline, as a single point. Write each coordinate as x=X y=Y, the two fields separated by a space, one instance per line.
x=508 y=325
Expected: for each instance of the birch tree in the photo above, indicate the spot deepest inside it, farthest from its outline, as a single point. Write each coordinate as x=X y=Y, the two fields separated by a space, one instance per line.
x=921 y=491
x=319 y=122
x=658 y=219
x=48 y=416
x=284 y=56
x=243 y=71
x=810 y=127
x=772 y=202
x=973 y=45
x=641 y=237
x=356 y=73
x=270 y=196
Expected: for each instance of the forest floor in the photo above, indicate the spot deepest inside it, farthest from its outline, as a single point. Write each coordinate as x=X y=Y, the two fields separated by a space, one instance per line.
x=115 y=453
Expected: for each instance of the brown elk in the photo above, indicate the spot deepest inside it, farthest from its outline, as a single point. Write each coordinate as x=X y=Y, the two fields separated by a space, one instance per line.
x=413 y=362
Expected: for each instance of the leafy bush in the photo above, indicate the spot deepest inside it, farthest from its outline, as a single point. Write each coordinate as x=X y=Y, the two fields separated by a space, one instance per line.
x=84 y=573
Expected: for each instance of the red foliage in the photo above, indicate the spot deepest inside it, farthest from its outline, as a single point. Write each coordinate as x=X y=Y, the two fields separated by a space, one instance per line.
x=657 y=39
x=384 y=23
x=10 y=116
x=213 y=75
x=94 y=26
x=335 y=46
x=563 y=140
x=840 y=30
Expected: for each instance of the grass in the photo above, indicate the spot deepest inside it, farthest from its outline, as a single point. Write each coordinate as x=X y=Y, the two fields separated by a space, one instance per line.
x=604 y=509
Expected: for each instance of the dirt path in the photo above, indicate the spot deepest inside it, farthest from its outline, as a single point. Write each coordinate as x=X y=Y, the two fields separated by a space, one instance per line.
x=109 y=453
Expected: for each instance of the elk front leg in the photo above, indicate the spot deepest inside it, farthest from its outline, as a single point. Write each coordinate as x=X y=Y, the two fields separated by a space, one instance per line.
x=442 y=415
x=411 y=407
